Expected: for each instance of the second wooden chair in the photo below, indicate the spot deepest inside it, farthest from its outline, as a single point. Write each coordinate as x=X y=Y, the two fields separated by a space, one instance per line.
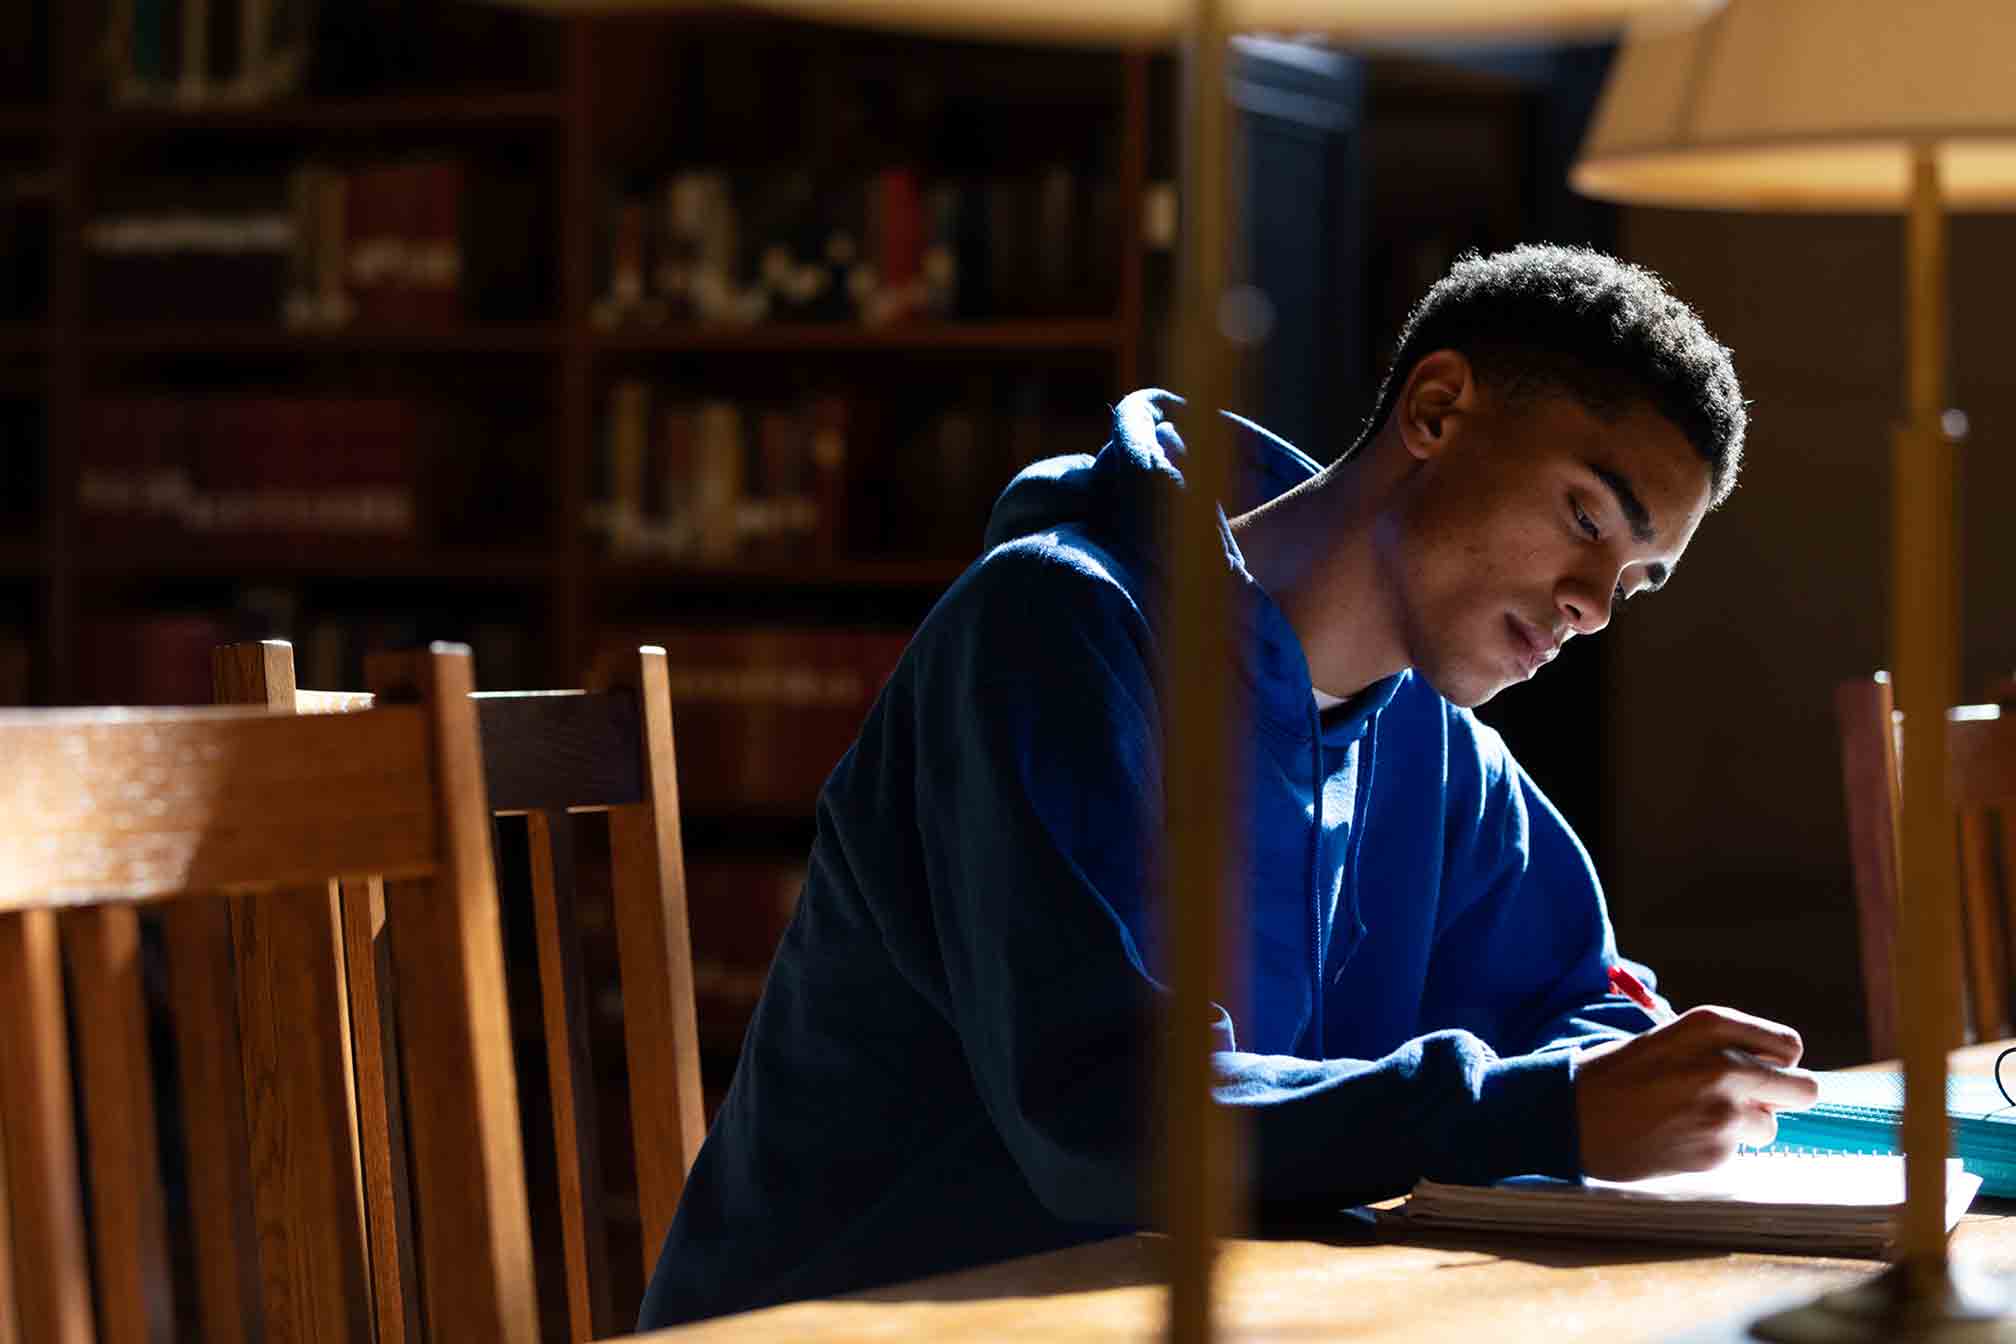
x=546 y=756
x=1981 y=786
x=103 y=810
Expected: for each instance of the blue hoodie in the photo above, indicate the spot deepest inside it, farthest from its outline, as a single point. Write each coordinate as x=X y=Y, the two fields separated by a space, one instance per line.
x=949 y=1062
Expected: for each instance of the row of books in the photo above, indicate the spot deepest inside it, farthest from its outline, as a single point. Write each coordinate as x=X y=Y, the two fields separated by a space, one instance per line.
x=272 y=466
x=197 y=51
x=714 y=481
x=378 y=242
x=763 y=714
x=393 y=242
x=710 y=481
x=703 y=246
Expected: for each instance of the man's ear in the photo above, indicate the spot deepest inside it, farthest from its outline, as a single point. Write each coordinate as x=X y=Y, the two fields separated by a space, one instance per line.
x=1440 y=389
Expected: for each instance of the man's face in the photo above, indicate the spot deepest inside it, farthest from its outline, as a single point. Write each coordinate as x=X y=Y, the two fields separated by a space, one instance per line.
x=1526 y=523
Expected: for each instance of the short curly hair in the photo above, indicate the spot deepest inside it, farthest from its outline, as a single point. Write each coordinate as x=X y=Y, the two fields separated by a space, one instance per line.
x=1569 y=320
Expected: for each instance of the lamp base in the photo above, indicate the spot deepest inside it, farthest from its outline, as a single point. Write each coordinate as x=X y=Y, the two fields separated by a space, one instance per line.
x=1967 y=1308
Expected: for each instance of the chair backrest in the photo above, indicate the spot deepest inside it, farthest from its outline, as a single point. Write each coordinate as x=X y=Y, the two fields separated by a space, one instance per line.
x=101 y=811
x=548 y=758
x=1981 y=787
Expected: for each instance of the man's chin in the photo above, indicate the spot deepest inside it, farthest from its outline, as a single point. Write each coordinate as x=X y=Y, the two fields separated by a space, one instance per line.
x=1465 y=691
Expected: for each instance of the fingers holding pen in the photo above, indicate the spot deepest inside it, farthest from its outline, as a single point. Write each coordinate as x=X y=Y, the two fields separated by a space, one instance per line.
x=1688 y=1094
x=1726 y=1028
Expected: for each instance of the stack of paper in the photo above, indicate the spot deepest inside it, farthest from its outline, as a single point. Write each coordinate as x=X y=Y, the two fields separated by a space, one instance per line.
x=1817 y=1204
x=1859 y=1113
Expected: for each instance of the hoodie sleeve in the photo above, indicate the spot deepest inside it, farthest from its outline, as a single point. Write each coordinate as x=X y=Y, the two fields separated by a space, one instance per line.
x=1040 y=810
x=1525 y=954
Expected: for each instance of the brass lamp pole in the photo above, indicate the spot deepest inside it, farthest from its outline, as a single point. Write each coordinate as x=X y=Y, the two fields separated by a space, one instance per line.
x=1817 y=105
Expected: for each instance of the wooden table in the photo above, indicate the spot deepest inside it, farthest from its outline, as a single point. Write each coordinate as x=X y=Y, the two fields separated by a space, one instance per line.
x=1350 y=1283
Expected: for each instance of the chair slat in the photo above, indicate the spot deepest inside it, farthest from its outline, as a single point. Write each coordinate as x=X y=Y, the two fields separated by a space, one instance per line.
x=570 y=1071
x=2006 y=822
x=1981 y=759
x=553 y=750
x=128 y=1211
x=380 y=1111
x=311 y=1232
x=51 y=1276
x=301 y=1116
x=655 y=959
x=310 y=796
x=1863 y=709
x=10 y=1319
x=203 y=1004
x=1987 y=979
x=455 y=1035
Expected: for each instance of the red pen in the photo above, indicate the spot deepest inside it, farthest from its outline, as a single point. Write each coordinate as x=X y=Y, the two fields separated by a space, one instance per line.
x=1632 y=988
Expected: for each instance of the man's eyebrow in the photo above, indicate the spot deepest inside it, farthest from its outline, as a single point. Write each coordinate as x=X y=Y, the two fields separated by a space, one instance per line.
x=1633 y=507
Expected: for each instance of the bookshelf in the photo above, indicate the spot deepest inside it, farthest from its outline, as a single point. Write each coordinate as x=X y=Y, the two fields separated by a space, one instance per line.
x=554 y=99
x=565 y=111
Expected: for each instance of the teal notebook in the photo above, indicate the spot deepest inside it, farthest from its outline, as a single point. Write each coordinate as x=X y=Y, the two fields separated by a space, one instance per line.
x=1858 y=1113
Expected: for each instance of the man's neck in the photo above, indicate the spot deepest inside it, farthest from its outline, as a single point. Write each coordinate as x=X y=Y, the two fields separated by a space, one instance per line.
x=1315 y=550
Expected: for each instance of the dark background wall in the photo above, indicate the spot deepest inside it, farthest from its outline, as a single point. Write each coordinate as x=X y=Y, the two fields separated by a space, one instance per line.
x=1724 y=835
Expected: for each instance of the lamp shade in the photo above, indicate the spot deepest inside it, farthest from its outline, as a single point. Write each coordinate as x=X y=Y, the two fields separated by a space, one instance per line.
x=1810 y=105
x=1136 y=22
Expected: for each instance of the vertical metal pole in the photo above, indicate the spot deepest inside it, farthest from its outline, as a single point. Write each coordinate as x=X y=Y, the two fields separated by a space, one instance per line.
x=1922 y=1298
x=1197 y=1174
x=1924 y=642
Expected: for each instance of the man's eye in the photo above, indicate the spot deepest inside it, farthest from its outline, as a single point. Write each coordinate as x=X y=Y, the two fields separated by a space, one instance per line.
x=1585 y=522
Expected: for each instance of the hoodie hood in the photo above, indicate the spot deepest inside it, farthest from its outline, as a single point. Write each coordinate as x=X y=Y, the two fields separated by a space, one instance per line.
x=1120 y=496
x=1121 y=489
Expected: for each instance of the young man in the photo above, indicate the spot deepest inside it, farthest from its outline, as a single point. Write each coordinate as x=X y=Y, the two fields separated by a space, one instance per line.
x=951 y=1059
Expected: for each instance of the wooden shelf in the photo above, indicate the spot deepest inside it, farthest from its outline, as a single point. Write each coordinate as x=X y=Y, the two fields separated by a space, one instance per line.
x=425 y=113
x=920 y=573
x=1091 y=333
x=174 y=338
x=254 y=559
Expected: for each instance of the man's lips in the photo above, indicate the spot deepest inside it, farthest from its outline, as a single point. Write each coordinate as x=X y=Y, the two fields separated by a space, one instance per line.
x=1533 y=647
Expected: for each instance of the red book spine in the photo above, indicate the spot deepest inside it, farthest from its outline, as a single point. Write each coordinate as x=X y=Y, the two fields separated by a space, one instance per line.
x=434 y=252
x=372 y=252
x=901 y=252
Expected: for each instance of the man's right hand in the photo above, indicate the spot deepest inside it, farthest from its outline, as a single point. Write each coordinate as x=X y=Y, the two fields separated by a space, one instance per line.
x=1678 y=1099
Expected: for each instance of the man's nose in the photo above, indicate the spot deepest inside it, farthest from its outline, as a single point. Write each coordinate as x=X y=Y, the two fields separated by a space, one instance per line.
x=1585 y=607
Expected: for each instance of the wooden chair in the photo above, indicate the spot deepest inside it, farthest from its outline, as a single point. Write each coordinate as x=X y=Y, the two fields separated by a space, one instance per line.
x=102 y=810
x=1981 y=782
x=545 y=755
